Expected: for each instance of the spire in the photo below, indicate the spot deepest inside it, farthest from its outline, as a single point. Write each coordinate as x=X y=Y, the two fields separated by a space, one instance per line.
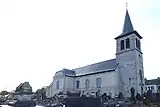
x=127 y=27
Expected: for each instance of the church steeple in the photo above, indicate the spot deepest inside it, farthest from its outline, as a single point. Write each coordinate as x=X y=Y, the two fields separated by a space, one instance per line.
x=127 y=27
x=129 y=58
x=129 y=39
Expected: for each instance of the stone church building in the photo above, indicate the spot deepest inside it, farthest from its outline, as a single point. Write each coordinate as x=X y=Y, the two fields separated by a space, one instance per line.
x=110 y=76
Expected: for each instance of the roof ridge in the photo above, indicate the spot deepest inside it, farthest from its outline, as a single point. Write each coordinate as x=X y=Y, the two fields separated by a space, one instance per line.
x=94 y=64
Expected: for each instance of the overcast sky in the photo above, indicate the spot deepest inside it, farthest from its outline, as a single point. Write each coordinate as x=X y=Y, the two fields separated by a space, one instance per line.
x=40 y=37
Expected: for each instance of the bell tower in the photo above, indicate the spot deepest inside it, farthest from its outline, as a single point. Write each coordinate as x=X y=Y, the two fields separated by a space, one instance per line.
x=130 y=58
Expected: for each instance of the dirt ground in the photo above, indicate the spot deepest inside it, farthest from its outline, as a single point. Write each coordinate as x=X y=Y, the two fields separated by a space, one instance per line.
x=142 y=105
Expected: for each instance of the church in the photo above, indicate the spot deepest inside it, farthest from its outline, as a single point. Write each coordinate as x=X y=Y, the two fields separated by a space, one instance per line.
x=121 y=74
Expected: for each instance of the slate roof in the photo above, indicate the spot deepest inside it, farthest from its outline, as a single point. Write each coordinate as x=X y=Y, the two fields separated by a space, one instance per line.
x=68 y=72
x=126 y=34
x=152 y=82
x=24 y=88
x=127 y=27
x=106 y=66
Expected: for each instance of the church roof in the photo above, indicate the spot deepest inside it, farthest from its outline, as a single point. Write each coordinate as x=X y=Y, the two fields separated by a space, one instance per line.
x=68 y=72
x=126 y=34
x=105 y=66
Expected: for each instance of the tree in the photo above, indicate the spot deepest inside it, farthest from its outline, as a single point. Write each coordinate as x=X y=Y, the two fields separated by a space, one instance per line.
x=41 y=93
x=4 y=92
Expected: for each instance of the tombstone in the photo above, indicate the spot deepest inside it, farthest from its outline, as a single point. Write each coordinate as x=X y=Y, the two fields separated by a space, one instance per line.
x=104 y=97
x=120 y=96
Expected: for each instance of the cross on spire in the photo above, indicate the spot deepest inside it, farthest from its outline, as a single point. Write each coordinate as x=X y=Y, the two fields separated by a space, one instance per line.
x=126 y=5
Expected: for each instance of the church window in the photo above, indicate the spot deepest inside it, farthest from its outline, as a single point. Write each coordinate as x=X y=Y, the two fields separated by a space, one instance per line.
x=87 y=83
x=77 y=84
x=98 y=82
x=138 y=45
x=129 y=81
x=127 y=43
x=57 y=85
x=140 y=74
x=122 y=44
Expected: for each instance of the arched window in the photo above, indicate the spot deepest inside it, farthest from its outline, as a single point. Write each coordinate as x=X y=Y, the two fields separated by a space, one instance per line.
x=140 y=75
x=57 y=85
x=98 y=82
x=77 y=84
x=122 y=44
x=87 y=83
x=138 y=45
x=127 y=43
x=129 y=81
